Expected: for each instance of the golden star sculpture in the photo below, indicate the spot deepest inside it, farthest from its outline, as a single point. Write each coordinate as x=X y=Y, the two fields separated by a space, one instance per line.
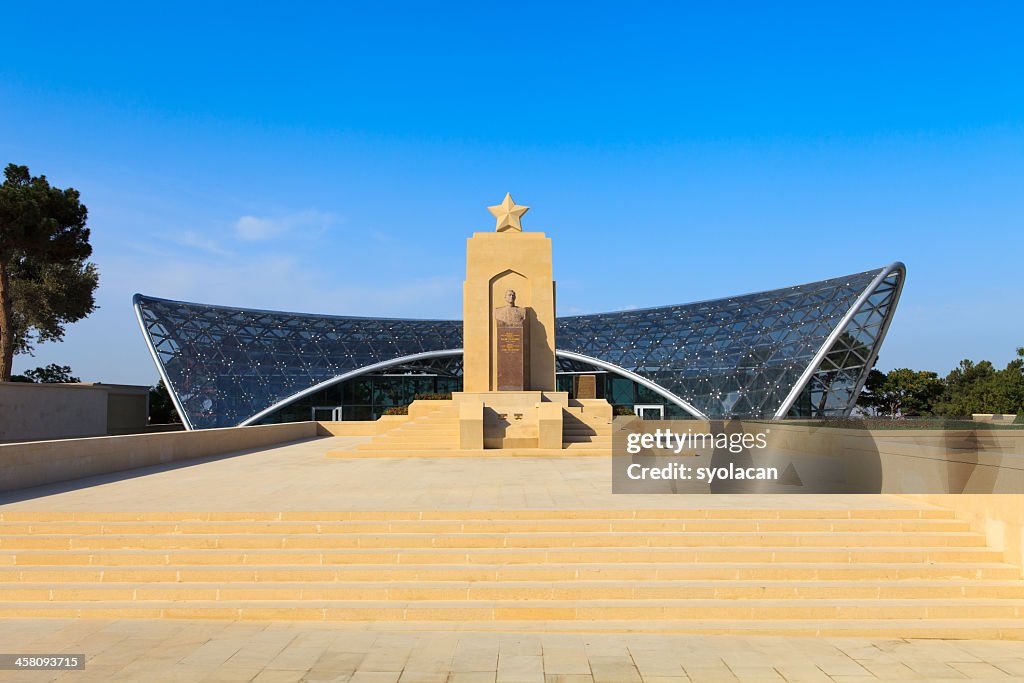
x=508 y=214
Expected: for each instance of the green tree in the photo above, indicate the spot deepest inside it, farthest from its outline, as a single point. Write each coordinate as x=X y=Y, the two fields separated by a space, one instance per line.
x=50 y=374
x=901 y=392
x=161 y=408
x=45 y=280
x=980 y=388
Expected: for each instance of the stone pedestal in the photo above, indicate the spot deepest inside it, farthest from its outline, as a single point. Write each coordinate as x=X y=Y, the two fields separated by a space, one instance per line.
x=471 y=425
x=495 y=263
x=511 y=419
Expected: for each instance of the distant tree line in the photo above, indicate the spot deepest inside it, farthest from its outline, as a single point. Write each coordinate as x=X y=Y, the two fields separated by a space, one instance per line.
x=49 y=374
x=970 y=388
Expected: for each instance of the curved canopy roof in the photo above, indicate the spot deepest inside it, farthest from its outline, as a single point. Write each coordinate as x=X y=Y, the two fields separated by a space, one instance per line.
x=806 y=348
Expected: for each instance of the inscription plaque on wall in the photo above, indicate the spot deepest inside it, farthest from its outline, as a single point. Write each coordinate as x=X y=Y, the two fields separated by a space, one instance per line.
x=586 y=386
x=511 y=357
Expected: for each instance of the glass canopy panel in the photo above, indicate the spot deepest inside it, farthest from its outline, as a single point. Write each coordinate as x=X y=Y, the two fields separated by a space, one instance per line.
x=740 y=356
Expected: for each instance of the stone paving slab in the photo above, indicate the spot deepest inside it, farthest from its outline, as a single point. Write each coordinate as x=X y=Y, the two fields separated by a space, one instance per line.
x=300 y=476
x=216 y=651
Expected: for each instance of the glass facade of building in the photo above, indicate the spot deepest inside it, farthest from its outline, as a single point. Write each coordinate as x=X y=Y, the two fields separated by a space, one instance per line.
x=366 y=397
x=802 y=350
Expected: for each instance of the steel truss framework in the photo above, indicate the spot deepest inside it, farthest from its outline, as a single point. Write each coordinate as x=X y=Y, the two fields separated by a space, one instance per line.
x=803 y=350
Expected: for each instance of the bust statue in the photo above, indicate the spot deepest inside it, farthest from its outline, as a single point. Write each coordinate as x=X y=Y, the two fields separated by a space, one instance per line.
x=511 y=315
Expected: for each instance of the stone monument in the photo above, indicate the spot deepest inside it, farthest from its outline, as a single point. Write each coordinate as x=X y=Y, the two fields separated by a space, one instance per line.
x=509 y=399
x=513 y=352
x=508 y=259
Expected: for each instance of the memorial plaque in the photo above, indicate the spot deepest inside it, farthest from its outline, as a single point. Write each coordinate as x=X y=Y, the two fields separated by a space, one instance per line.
x=512 y=350
x=586 y=386
x=511 y=358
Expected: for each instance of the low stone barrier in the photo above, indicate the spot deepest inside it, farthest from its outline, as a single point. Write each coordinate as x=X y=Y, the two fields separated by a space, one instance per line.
x=961 y=461
x=382 y=425
x=37 y=463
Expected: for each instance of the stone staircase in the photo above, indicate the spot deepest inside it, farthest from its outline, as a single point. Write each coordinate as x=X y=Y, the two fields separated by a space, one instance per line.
x=883 y=573
x=437 y=430
x=584 y=429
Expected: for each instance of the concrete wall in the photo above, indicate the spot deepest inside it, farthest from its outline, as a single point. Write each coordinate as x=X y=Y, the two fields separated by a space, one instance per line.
x=30 y=412
x=46 y=462
x=127 y=408
x=51 y=411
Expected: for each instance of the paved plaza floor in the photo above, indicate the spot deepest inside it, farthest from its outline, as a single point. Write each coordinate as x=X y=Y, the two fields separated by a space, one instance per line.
x=284 y=652
x=299 y=476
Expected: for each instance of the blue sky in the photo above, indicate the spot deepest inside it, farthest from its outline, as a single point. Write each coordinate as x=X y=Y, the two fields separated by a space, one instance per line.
x=332 y=158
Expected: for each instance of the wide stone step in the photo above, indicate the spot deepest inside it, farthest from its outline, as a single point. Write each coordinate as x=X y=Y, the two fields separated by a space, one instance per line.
x=622 y=571
x=898 y=629
x=523 y=610
x=917 y=571
x=419 y=434
x=432 y=426
x=439 y=527
x=542 y=514
x=446 y=435
x=398 y=446
x=831 y=540
x=517 y=590
x=504 y=556
x=411 y=442
x=469 y=453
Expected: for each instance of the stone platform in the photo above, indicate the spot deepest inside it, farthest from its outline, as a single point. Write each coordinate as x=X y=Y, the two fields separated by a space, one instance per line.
x=541 y=423
x=479 y=544
x=506 y=517
x=298 y=476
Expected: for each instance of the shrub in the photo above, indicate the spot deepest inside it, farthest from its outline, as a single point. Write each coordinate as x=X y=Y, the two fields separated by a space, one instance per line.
x=433 y=397
x=397 y=410
x=622 y=410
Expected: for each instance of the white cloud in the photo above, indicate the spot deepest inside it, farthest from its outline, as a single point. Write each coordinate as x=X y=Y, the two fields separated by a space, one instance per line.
x=430 y=297
x=255 y=228
x=191 y=239
x=282 y=282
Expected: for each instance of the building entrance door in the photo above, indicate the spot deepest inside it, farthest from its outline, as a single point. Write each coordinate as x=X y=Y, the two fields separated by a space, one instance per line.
x=649 y=412
x=325 y=413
